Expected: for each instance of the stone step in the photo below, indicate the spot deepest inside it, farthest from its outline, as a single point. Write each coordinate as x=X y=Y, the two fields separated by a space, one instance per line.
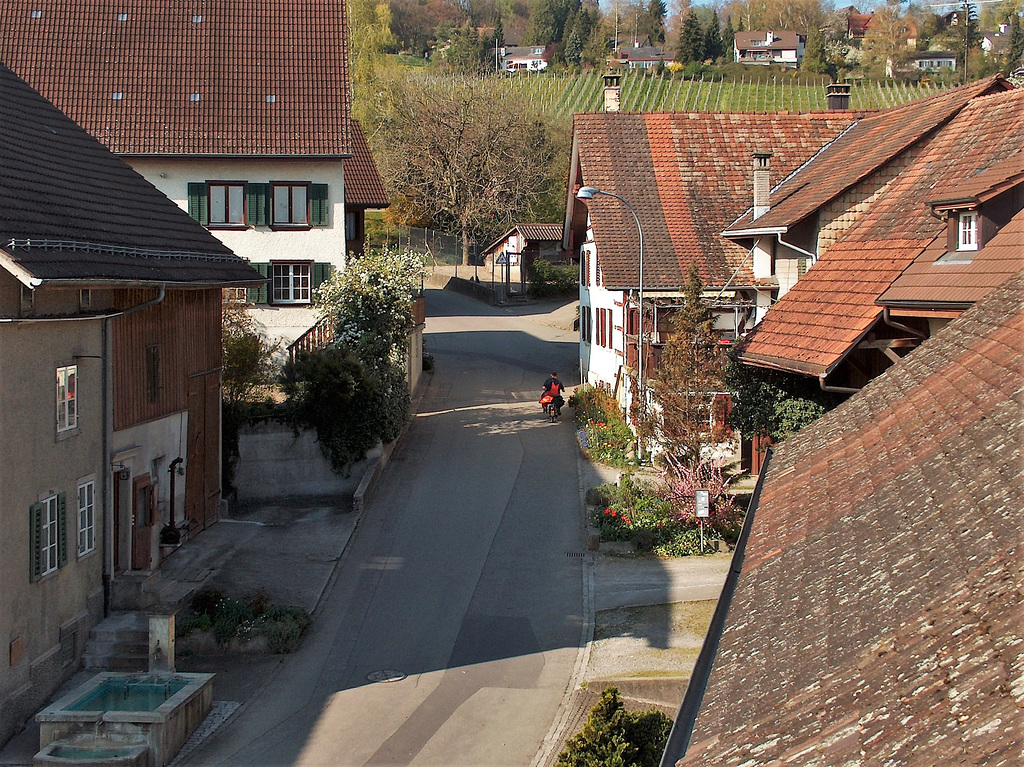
x=118 y=662
x=120 y=642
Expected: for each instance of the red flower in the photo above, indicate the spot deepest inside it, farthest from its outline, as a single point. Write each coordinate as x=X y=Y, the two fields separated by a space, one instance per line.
x=615 y=513
x=607 y=511
x=627 y=520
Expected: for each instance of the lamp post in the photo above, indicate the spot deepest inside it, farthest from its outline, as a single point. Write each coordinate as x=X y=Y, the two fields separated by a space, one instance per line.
x=589 y=193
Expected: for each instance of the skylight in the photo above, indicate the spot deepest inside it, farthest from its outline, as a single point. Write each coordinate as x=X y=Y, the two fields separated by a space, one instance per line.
x=193 y=97
x=122 y=17
x=271 y=98
x=197 y=19
x=36 y=14
x=117 y=96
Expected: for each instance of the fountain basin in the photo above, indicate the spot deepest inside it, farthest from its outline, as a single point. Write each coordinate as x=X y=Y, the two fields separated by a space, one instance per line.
x=95 y=752
x=160 y=710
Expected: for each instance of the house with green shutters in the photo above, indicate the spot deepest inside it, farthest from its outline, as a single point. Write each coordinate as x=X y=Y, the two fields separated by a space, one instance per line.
x=260 y=149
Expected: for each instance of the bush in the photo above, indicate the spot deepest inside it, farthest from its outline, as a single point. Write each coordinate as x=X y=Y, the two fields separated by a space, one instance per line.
x=614 y=736
x=603 y=433
x=549 y=280
x=253 y=617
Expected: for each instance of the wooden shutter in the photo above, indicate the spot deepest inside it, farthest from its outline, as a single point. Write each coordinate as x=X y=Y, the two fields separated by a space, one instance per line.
x=35 y=538
x=801 y=267
x=320 y=273
x=259 y=295
x=199 y=203
x=319 y=215
x=62 y=530
x=257 y=205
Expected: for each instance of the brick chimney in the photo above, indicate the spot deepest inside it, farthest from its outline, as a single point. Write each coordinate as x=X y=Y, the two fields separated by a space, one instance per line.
x=762 y=182
x=611 y=92
x=837 y=96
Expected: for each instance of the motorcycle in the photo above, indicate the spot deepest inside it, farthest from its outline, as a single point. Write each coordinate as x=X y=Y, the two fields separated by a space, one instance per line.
x=551 y=407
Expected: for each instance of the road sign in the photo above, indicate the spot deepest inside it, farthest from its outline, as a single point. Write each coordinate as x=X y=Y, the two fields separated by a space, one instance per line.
x=703 y=507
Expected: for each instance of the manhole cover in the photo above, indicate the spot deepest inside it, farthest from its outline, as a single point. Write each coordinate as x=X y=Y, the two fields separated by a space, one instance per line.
x=385 y=675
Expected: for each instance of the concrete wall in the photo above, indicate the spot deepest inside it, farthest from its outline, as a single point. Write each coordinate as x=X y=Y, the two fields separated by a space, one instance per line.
x=273 y=464
x=37 y=462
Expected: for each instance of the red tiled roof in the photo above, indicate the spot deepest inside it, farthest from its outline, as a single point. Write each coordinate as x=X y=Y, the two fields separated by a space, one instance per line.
x=877 y=617
x=830 y=308
x=71 y=210
x=687 y=175
x=364 y=188
x=866 y=147
x=195 y=77
x=932 y=282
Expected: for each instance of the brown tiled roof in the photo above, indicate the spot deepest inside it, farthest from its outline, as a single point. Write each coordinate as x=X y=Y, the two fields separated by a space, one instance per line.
x=933 y=281
x=866 y=147
x=71 y=210
x=364 y=188
x=785 y=40
x=830 y=308
x=877 y=617
x=531 y=232
x=687 y=175
x=270 y=76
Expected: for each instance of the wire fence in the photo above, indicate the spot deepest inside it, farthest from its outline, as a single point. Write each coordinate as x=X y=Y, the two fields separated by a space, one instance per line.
x=434 y=246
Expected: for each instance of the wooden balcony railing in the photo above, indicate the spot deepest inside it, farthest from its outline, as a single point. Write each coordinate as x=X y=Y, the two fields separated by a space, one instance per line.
x=322 y=334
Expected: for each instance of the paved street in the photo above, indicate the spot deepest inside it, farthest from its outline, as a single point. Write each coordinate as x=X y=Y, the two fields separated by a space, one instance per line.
x=452 y=628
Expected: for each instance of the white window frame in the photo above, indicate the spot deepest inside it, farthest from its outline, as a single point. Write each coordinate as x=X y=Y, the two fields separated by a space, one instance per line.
x=49 y=545
x=86 y=517
x=291 y=282
x=227 y=203
x=967 y=231
x=285 y=209
x=67 y=398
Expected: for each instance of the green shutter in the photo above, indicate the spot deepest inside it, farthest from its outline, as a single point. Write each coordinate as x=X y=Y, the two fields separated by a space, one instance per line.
x=319 y=214
x=321 y=273
x=35 y=537
x=198 y=203
x=258 y=205
x=259 y=295
x=62 y=530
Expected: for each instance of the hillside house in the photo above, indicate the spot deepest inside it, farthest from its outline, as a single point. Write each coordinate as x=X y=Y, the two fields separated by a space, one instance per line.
x=267 y=156
x=931 y=193
x=110 y=365
x=643 y=57
x=766 y=48
x=526 y=58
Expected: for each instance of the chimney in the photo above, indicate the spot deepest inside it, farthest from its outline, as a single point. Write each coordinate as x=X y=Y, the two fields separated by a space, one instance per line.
x=762 y=185
x=837 y=96
x=611 y=92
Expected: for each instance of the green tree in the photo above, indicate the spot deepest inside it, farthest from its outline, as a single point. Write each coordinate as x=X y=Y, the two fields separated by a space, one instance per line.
x=370 y=37
x=773 y=403
x=714 y=48
x=816 y=58
x=547 y=20
x=1016 y=42
x=460 y=157
x=651 y=24
x=248 y=362
x=691 y=40
x=729 y=39
x=691 y=372
x=614 y=737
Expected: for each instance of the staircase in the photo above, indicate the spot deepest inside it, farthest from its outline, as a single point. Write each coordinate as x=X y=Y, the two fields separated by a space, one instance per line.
x=118 y=643
x=139 y=589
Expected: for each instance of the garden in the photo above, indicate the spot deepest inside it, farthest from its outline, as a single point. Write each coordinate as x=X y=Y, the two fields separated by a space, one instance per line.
x=253 y=624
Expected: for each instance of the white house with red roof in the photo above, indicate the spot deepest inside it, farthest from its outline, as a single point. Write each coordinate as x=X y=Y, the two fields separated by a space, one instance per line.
x=247 y=126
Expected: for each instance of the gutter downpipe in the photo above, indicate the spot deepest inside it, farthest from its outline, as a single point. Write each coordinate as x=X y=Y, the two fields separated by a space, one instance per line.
x=888 y=320
x=797 y=248
x=682 y=729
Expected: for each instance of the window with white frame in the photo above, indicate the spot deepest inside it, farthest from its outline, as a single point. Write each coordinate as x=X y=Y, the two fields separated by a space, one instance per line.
x=291 y=283
x=86 y=517
x=227 y=204
x=67 y=398
x=49 y=539
x=968 y=229
x=290 y=204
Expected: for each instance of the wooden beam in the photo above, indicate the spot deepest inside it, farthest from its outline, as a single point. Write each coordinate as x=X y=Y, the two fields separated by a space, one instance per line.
x=884 y=344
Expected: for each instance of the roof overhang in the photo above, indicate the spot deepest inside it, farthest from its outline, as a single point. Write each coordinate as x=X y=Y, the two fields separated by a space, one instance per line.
x=106 y=282
x=755 y=232
x=232 y=156
x=780 y=363
x=16 y=270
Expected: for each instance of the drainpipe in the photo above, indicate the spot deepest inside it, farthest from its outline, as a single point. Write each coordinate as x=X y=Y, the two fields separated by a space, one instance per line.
x=834 y=389
x=107 y=490
x=797 y=248
x=887 y=319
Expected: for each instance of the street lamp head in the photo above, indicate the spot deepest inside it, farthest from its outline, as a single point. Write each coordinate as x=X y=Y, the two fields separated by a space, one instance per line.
x=587 y=193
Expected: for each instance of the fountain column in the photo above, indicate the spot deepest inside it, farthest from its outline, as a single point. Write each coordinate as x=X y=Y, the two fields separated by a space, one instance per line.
x=161 y=641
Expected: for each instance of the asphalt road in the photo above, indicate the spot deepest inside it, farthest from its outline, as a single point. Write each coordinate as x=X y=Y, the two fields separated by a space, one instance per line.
x=452 y=628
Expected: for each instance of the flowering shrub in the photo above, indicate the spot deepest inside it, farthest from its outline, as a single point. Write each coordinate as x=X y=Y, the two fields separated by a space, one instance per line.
x=649 y=516
x=679 y=487
x=602 y=432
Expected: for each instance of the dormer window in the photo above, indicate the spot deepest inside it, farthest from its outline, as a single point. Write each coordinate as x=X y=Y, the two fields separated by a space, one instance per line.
x=967 y=238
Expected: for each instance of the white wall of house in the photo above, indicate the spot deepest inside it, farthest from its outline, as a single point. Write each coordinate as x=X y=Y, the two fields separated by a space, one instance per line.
x=149 y=448
x=320 y=244
x=600 y=364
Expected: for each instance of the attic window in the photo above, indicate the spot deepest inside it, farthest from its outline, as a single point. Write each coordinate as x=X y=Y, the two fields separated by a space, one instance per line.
x=197 y=19
x=36 y=14
x=271 y=98
x=122 y=17
x=193 y=97
x=117 y=95
x=967 y=237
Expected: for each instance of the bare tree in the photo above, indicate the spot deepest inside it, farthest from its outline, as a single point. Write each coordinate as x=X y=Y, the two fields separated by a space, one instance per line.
x=459 y=155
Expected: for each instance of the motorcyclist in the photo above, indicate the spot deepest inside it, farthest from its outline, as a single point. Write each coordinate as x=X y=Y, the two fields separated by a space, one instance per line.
x=552 y=391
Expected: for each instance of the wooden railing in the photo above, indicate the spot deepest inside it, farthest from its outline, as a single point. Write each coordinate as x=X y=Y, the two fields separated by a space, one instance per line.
x=322 y=334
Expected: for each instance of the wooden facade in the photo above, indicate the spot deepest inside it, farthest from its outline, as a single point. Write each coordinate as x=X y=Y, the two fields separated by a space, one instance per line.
x=166 y=360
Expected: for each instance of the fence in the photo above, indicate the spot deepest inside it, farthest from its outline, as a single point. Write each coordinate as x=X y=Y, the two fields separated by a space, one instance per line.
x=442 y=248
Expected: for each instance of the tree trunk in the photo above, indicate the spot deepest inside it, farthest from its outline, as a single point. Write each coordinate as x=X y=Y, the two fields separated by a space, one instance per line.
x=465 y=247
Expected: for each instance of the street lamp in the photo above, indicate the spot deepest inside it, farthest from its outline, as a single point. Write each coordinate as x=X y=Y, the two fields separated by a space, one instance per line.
x=589 y=193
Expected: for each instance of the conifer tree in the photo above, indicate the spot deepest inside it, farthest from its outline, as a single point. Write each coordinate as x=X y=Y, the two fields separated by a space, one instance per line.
x=713 y=46
x=691 y=40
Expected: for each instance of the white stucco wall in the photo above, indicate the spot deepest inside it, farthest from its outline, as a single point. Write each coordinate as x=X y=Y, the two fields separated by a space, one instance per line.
x=324 y=244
